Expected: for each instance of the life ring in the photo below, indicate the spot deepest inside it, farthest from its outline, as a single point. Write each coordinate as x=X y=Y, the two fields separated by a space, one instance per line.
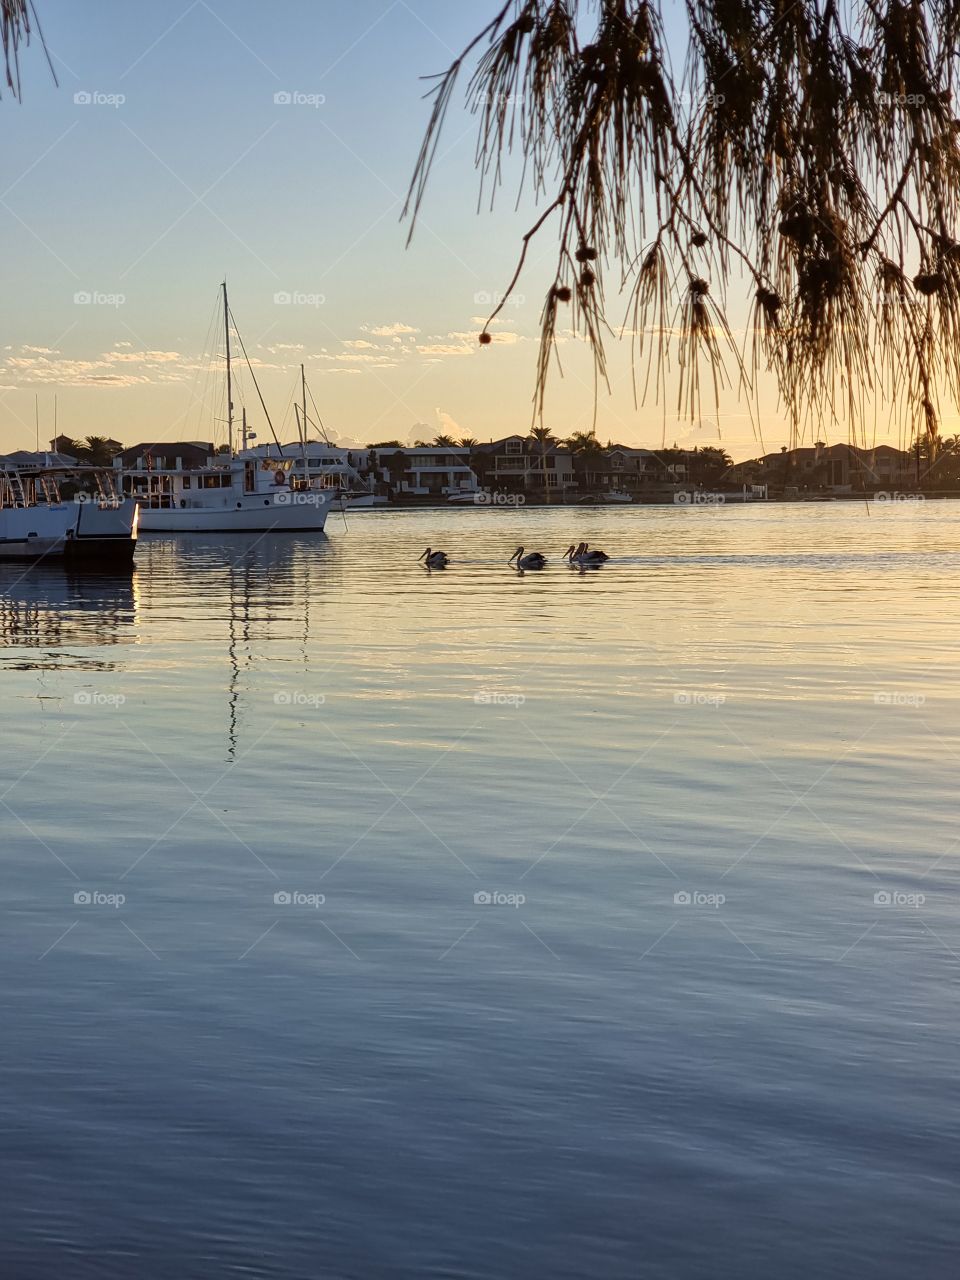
x=279 y=478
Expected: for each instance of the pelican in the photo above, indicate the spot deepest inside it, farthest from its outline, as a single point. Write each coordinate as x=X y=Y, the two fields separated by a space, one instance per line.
x=581 y=554
x=435 y=559
x=533 y=561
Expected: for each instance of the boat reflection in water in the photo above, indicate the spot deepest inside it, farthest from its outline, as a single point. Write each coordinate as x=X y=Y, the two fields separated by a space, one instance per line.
x=48 y=607
x=256 y=592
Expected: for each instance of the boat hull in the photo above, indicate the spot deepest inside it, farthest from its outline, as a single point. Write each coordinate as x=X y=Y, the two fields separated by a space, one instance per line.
x=252 y=515
x=77 y=532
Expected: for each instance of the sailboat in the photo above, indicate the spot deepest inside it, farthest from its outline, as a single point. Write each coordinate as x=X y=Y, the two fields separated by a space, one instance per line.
x=228 y=493
x=320 y=465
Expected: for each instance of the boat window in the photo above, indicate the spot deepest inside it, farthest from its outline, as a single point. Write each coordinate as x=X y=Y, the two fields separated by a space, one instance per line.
x=185 y=482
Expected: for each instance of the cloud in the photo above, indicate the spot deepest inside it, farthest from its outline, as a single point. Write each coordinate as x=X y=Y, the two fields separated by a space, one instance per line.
x=359 y=343
x=388 y=330
x=381 y=360
x=41 y=351
x=144 y=357
x=436 y=350
x=448 y=426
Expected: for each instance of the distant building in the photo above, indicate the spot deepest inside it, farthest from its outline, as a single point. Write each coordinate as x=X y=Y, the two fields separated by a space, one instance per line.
x=424 y=471
x=520 y=464
x=838 y=468
x=166 y=456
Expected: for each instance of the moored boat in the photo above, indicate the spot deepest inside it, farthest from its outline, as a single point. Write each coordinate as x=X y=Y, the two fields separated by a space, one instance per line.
x=62 y=511
x=228 y=492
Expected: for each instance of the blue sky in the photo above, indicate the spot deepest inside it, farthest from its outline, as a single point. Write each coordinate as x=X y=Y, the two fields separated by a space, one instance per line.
x=145 y=203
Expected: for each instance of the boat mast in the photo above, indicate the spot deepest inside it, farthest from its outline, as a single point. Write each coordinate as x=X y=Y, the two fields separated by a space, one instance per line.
x=226 y=333
x=303 y=438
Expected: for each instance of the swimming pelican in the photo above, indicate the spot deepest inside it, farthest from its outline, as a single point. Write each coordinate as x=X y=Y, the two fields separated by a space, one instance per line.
x=581 y=554
x=594 y=557
x=435 y=559
x=533 y=561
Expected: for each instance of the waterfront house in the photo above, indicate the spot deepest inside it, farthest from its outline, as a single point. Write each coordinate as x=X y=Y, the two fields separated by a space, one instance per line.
x=425 y=471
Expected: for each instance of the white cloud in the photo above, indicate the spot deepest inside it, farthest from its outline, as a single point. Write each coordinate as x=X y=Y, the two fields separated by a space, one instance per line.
x=388 y=330
x=436 y=350
x=144 y=357
x=448 y=426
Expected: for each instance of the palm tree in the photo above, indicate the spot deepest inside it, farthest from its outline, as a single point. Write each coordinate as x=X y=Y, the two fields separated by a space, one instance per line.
x=444 y=442
x=545 y=438
x=100 y=450
x=468 y=442
x=587 y=453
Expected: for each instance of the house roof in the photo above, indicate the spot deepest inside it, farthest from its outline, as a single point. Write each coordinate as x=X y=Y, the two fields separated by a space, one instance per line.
x=191 y=450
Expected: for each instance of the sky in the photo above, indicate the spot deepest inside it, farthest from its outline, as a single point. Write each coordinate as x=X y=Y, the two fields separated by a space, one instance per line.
x=272 y=146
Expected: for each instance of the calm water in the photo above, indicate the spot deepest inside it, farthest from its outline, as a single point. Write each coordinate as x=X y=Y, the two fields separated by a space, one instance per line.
x=587 y=1075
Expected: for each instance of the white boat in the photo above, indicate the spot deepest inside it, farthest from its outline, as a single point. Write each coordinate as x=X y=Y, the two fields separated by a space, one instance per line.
x=73 y=513
x=230 y=493
x=237 y=495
